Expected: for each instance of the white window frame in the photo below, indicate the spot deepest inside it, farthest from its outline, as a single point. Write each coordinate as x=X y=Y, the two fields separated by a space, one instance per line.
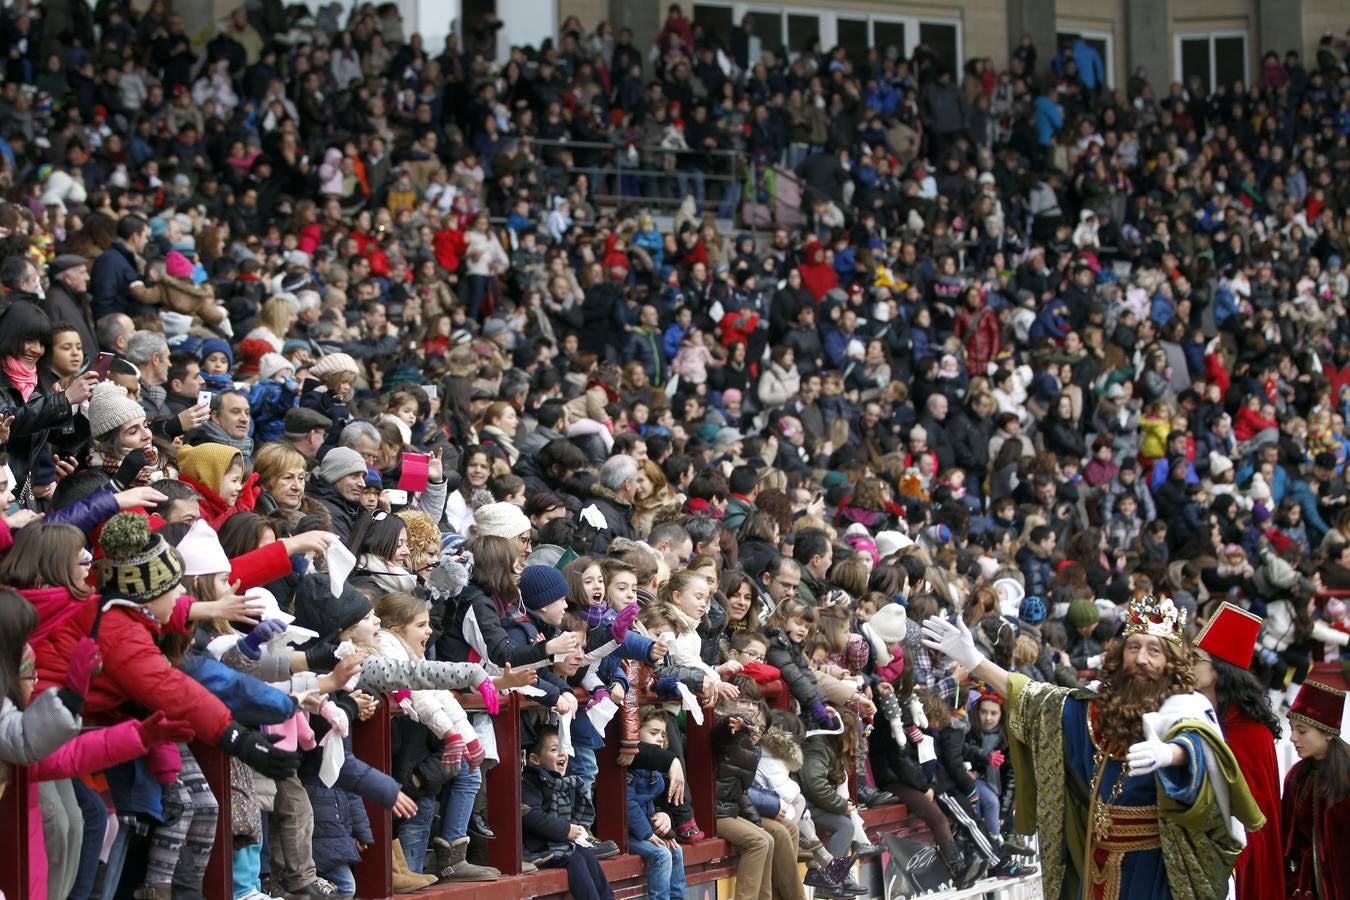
x=1210 y=37
x=829 y=24
x=1109 y=39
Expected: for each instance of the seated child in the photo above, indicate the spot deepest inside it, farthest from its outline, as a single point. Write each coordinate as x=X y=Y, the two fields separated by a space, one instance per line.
x=651 y=833
x=552 y=800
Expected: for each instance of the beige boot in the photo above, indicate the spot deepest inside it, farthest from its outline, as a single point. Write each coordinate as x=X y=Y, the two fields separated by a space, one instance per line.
x=153 y=892
x=405 y=880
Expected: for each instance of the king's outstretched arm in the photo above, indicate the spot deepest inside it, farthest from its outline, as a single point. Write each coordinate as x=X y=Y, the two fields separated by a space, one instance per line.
x=955 y=641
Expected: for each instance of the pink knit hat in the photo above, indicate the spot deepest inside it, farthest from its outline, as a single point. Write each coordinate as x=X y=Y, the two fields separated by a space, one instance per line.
x=177 y=265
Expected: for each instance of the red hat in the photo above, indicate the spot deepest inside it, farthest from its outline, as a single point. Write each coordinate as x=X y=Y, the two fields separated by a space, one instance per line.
x=251 y=352
x=1231 y=635
x=1320 y=706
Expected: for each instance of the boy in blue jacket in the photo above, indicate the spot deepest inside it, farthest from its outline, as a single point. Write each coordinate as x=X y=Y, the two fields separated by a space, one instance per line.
x=651 y=833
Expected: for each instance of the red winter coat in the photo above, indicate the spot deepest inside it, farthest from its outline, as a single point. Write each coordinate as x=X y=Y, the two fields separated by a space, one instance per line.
x=134 y=671
x=1300 y=810
x=818 y=276
x=1260 y=867
x=980 y=332
x=213 y=507
x=449 y=246
x=310 y=238
x=1248 y=422
x=370 y=248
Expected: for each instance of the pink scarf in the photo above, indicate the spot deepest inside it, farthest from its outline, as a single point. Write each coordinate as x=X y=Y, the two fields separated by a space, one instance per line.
x=24 y=378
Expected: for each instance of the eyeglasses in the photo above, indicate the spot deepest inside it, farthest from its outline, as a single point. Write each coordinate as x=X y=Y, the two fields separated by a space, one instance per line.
x=752 y=655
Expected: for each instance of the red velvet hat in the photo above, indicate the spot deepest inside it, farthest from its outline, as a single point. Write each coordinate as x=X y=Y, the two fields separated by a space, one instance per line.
x=1320 y=706
x=1231 y=635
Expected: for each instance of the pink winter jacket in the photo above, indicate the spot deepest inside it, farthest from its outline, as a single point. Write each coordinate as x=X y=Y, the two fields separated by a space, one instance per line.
x=92 y=751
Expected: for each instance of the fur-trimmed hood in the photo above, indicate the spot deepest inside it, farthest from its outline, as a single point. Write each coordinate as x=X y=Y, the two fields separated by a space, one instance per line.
x=782 y=746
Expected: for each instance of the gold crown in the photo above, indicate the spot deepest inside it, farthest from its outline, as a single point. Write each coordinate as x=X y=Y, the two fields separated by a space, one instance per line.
x=1157 y=616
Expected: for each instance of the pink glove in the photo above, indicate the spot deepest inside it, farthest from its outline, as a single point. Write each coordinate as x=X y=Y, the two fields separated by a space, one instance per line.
x=453 y=752
x=404 y=700
x=624 y=621
x=85 y=662
x=996 y=759
x=492 y=701
x=474 y=753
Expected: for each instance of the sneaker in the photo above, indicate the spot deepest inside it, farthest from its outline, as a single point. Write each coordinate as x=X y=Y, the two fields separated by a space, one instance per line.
x=1015 y=843
x=816 y=878
x=689 y=832
x=1007 y=868
x=869 y=796
x=605 y=850
x=866 y=851
x=850 y=887
x=320 y=889
x=527 y=867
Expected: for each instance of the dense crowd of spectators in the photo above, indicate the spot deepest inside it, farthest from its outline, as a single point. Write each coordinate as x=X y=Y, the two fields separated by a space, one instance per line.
x=1030 y=345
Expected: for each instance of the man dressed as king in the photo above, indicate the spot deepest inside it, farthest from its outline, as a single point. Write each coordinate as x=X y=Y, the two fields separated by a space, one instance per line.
x=1131 y=788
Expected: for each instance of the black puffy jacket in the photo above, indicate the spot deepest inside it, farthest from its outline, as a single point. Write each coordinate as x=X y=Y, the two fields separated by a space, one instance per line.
x=789 y=660
x=737 y=760
x=891 y=763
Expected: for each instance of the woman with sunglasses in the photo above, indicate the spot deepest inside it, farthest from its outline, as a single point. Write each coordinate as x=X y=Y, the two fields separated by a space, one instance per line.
x=380 y=543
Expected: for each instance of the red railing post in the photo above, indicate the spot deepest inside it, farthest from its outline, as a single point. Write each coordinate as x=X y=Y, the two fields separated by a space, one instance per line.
x=218 y=884
x=372 y=743
x=14 y=833
x=611 y=789
x=700 y=771
x=506 y=850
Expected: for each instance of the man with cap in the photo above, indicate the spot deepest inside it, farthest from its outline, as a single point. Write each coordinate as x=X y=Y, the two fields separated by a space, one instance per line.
x=338 y=483
x=1223 y=651
x=305 y=430
x=67 y=297
x=1316 y=806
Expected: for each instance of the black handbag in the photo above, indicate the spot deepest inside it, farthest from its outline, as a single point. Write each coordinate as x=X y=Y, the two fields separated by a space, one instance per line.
x=913 y=867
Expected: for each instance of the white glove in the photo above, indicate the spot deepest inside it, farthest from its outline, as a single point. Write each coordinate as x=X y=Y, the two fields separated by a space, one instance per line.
x=1095 y=662
x=953 y=641
x=1147 y=757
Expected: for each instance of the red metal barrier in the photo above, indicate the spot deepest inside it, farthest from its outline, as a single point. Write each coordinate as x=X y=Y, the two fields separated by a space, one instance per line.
x=215 y=766
x=14 y=826
x=372 y=744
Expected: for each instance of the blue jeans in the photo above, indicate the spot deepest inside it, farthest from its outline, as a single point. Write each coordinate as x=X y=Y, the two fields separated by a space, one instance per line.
x=95 y=823
x=343 y=879
x=665 y=869
x=117 y=857
x=415 y=833
x=457 y=803
x=585 y=767
x=691 y=182
x=247 y=859
x=988 y=807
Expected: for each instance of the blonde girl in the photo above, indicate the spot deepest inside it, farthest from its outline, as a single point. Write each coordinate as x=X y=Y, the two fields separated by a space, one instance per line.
x=405 y=628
